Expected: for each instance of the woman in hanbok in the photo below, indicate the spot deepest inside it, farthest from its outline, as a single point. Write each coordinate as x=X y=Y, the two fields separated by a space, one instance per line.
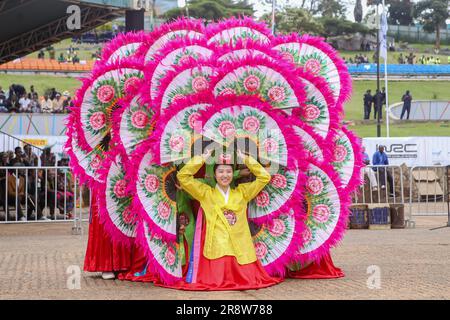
x=227 y=259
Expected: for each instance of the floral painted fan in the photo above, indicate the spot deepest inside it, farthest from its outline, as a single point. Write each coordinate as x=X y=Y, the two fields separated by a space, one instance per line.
x=317 y=58
x=99 y=96
x=123 y=46
x=115 y=202
x=158 y=38
x=132 y=124
x=327 y=212
x=233 y=29
x=174 y=53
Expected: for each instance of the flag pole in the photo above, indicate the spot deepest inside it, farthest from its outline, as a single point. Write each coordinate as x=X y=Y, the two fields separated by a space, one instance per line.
x=273 y=16
x=386 y=80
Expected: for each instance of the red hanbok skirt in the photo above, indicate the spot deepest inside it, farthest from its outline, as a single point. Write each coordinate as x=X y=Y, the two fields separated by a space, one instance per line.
x=322 y=269
x=102 y=253
x=224 y=274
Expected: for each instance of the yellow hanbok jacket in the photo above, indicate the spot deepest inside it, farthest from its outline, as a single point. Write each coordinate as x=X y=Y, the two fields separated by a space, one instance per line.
x=223 y=239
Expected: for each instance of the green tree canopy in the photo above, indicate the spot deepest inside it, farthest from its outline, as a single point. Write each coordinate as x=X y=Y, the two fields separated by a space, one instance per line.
x=294 y=20
x=400 y=12
x=432 y=14
x=212 y=9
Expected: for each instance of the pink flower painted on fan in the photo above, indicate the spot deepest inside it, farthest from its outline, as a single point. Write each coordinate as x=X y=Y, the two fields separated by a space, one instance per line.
x=139 y=119
x=313 y=66
x=163 y=210
x=251 y=124
x=151 y=183
x=278 y=181
x=321 y=213
x=96 y=162
x=314 y=185
x=97 y=120
x=277 y=93
x=307 y=235
x=270 y=146
x=131 y=84
x=227 y=91
x=119 y=189
x=127 y=216
x=252 y=83
x=200 y=84
x=277 y=228
x=227 y=129
x=193 y=119
x=105 y=93
x=340 y=153
x=170 y=256
x=176 y=143
x=184 y=59
x=289 y=57
x=311 y=112
x=263 y=199
x=261 y=250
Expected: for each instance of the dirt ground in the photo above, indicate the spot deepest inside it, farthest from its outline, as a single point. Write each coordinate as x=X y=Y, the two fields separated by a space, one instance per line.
x=379 y=264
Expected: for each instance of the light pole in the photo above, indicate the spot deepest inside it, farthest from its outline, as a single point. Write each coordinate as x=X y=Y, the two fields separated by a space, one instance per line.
x=273 y=16
x=378 y=94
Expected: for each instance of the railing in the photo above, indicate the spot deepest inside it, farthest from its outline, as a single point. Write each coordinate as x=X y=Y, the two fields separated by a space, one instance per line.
x=10 y=143
x=423 y=190
x=42 y=194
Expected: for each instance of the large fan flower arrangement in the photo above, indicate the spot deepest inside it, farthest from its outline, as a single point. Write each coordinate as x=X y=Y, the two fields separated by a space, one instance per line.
x=153 y=96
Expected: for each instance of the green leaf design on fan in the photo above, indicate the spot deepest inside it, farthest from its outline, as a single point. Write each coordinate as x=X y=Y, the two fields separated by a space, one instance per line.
x=122 y=203
x=267 y=238
x=139 y=132
x=322 y=108
x=99 y=84
x=318 y=61
x=342 y=142
x=276 y=93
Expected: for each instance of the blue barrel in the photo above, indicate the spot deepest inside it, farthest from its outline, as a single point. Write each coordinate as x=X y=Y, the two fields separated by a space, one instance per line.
x=359 y=217
x=380 y=215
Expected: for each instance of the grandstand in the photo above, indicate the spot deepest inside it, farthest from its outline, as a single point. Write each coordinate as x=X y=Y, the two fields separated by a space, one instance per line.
x=39 y=24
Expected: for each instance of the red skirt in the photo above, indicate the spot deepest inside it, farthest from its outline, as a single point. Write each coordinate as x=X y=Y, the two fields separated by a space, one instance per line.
x=225 y=273
x=103 y=254
x=323 y=269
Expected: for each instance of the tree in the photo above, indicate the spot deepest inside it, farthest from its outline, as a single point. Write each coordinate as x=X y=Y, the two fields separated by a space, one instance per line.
x=358 y=11
x=432 y=14
x=400 y=12
x=294 y=20
x=336 y=27
x=212 y=9
x=330 y=9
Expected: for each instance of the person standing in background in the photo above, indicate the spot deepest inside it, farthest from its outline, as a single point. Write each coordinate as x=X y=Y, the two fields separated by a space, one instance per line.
x=368 y=99
x=407 y=98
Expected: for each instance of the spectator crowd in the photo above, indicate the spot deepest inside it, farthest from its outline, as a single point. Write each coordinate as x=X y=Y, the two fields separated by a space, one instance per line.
x=18 y=100
x=34 y=189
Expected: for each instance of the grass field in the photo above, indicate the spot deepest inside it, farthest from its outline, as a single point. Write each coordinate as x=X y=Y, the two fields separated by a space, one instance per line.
x=420 y=90
x=392 y=56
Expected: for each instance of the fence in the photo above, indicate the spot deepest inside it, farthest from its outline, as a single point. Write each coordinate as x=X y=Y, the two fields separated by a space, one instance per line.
x=40 y=194
x=417 y=34
x=10 y=143
x=424 y=190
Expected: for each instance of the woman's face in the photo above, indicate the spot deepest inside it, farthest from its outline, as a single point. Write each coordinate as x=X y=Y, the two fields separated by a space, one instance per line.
x=224 y=175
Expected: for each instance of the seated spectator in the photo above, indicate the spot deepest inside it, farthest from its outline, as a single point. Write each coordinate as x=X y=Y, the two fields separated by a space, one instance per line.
x=30 y=157
x=65 y=195
x=368 y=171
x=3 y=102
x=19 y=155
x=24 y=102
x=47 y=192
x=47 y=105
x=61 y=58
x=16 y=192
x=48 y=158
x=35 y=106
x=57 y=104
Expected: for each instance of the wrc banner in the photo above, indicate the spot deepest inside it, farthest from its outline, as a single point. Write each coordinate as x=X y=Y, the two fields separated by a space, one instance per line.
x=412 y=151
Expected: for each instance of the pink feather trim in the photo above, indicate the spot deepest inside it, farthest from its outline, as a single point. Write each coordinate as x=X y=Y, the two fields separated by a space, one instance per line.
x=286 y=70
x=121 y=40
x=154 y=266
x=114 y=233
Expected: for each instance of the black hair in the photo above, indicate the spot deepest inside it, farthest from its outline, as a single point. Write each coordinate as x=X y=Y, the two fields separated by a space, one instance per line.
x=222 y=164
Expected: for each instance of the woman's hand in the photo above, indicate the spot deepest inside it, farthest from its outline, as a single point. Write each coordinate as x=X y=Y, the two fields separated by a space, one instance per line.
x=240 y=155
x=207 y=153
